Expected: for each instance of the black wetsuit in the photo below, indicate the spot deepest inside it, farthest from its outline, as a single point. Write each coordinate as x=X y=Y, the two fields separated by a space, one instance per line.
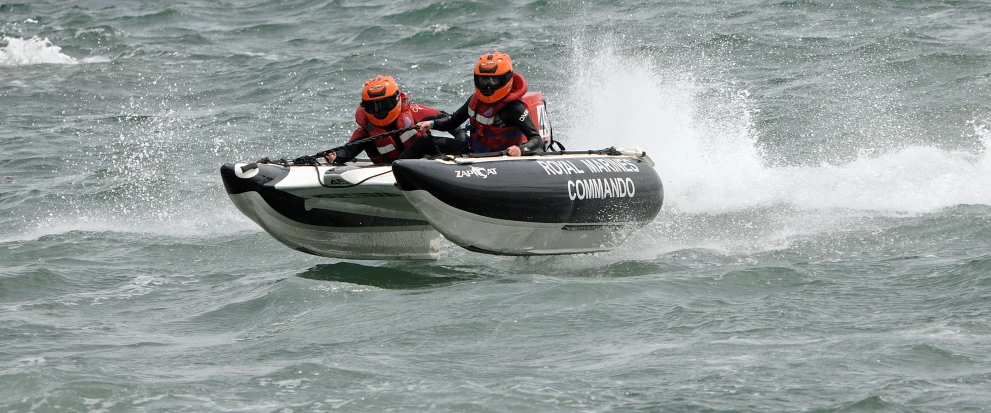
x=511 y=115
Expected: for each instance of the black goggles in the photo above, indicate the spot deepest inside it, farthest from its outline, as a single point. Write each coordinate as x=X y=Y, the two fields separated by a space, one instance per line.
x=492 y=83
x=380 y=108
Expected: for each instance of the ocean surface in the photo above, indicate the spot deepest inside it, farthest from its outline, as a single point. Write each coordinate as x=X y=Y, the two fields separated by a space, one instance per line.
x=824 y=246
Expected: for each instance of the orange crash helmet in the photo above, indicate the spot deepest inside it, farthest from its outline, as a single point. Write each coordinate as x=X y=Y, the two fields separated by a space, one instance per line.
x=493 y=76
x=380 y=99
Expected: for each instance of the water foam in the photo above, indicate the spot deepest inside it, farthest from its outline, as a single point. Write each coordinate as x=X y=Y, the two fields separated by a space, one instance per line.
x=33 y=51
x=706 y=145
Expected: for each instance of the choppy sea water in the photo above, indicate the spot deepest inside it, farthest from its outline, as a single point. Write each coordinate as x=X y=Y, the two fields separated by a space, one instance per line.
x=823 y=247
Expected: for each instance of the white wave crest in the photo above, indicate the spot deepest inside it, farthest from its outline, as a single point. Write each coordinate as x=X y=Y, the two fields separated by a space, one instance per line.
x=33 y=51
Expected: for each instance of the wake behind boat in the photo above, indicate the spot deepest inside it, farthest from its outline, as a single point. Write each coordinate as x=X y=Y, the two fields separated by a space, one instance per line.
x=541 y=204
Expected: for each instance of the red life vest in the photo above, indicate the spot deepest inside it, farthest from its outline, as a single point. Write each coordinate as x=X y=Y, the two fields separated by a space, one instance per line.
x=485 y=135
x=389 y=147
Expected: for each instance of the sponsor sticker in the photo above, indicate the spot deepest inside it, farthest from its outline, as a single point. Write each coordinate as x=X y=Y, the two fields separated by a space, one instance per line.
x=475 y=172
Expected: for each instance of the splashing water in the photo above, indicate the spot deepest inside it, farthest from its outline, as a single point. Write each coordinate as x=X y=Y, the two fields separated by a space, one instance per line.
x=705 y=143
x=32 y=51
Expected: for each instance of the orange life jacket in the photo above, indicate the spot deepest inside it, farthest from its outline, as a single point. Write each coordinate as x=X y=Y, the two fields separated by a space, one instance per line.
x=389 y=147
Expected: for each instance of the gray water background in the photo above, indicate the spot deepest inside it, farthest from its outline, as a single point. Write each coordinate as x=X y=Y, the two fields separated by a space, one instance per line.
x=824 y=244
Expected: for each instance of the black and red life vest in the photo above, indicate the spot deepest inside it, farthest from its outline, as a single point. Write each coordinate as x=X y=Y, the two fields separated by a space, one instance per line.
x=486 y=136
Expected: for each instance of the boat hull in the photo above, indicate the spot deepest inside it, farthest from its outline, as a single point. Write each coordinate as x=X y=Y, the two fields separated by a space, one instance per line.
x=535 y=205
x=352 y=212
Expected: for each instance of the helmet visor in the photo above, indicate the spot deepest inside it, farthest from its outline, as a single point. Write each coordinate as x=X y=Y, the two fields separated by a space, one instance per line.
x=489 y=84
x=380 y=108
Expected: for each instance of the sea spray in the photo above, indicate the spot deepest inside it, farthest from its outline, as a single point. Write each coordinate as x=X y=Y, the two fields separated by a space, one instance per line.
x=32 y=51
x=706 y=147
x=701 y=136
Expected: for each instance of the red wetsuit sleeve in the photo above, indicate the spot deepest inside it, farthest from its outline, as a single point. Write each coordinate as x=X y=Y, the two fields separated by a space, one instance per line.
x=421 y=112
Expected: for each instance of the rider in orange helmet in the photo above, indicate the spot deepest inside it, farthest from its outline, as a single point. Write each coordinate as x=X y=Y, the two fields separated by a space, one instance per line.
x=499 y=120
x=384 y=108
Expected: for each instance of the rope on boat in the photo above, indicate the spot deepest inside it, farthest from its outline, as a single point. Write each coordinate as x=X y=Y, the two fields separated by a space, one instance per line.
x=314 y=160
